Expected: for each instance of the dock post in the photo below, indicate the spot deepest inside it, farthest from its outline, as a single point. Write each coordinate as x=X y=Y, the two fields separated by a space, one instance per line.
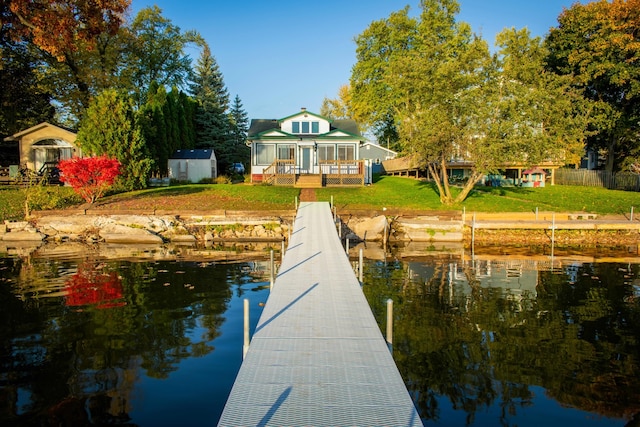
x=271 y=271
x=536 y=213
x=473 y=229
x=360 y=267
x=282 y=251
x=553 y=236
x=245 y=346
x=389 y=336
x=346 y=246
x=332 y=201
x=464 y=214
x=631 y=216
x=296 y=203
x=386 y=235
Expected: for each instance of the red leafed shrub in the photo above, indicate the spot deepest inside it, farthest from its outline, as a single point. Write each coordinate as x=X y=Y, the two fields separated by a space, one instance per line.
x=90 y=177
x=90 y=286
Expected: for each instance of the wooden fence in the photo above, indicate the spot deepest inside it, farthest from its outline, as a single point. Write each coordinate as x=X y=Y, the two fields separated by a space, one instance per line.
x=627 y=181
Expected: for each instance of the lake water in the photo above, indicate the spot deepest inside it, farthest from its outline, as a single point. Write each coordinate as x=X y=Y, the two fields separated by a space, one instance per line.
x=153 y=337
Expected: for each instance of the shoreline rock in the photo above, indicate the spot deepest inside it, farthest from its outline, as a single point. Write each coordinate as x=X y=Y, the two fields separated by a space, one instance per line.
x=182 y=229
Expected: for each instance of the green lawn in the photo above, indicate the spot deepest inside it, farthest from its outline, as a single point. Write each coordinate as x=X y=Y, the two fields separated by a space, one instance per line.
x=390 y=192
x=412 y=194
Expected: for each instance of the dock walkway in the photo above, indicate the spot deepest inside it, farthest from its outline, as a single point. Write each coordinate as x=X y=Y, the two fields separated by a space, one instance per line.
x=317 y=357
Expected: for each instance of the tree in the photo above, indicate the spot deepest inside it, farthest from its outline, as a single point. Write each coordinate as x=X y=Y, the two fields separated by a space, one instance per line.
x=79 y=41
x=24 y=101
x=211 y=119
x=110 y=126
x=239 y=122
x=90 y=177
x=60 y=26
x=598 y=45
x=155 y=52
x=435 y=83
x=337 y=108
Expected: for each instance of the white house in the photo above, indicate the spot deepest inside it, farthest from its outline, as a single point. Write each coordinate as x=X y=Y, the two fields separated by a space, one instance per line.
x=306 y=149
x=193 y=165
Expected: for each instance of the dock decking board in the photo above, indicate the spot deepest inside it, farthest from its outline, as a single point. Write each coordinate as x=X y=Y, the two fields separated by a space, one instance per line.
x=317 y=357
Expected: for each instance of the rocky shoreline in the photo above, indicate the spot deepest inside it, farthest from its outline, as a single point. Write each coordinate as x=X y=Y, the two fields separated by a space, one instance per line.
x=265 y=227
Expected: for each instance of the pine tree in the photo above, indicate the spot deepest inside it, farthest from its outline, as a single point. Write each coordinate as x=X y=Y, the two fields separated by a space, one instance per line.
x=212 y=97
x=239 y=124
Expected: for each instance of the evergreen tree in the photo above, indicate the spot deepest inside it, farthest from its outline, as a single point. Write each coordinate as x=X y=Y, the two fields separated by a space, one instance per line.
x=154 y=127
x=239 y=124
x=212 y=97
x=110 y=126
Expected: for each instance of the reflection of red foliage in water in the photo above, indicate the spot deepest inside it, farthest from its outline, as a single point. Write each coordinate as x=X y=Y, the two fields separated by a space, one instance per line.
x=92 y=287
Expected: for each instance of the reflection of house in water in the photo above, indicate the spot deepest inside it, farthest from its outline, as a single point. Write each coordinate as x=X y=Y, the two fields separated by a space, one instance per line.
x=518 y=277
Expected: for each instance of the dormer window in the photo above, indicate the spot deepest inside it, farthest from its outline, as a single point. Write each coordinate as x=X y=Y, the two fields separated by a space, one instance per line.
x=305 y=127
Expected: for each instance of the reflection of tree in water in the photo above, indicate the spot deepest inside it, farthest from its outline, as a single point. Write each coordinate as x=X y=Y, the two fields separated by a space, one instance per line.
x=92 y=285
x=487 y=346
x=84 y=359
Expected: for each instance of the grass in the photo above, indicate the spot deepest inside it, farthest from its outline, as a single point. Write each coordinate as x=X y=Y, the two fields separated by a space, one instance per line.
x=412 y=194
x=390 y=192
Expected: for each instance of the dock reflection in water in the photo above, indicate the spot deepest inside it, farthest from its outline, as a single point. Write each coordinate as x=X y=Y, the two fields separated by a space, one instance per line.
x=154 y=337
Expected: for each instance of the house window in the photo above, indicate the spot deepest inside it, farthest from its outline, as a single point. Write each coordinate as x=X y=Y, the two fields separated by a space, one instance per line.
x=265 y=154
x=305 y=127
x=315 y=127
x=346 y=152
x=326 y=153
x=286 y=152
x=295 y=127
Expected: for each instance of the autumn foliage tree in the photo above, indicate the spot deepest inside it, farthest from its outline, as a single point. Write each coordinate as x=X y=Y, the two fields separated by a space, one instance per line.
x=90 y=177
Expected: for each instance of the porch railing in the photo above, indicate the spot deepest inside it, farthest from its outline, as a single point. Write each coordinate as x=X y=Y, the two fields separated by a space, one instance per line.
x=280 y=172
x=342 y=172
x=334 y=172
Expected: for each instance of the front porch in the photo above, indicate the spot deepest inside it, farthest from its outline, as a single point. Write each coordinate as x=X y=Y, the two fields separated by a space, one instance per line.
x=335 y=173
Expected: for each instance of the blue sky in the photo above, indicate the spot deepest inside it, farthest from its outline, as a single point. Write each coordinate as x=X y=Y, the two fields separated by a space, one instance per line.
x=279 y=56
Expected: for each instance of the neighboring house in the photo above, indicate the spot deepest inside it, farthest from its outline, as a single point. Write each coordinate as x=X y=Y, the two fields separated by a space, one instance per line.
x=306 y=150
x=44 y=144
x=376 y=154
x=193 y=165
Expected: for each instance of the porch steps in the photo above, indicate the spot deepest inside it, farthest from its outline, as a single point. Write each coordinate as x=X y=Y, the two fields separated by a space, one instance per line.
x=309 y=181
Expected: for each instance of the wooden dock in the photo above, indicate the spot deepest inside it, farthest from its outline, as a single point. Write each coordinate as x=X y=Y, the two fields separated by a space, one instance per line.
x=317 y=357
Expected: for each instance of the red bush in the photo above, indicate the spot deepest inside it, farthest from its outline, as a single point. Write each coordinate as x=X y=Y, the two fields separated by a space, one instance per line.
x=90 y=177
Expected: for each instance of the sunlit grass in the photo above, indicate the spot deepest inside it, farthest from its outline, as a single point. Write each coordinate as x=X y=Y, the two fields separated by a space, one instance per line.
x=390 y=192
x=399 y=192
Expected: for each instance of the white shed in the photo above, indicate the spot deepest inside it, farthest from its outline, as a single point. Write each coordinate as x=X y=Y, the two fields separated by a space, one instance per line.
x=193 y=165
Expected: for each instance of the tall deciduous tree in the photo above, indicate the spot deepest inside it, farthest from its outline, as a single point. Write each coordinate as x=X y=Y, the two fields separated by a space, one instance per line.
x=110 y=127
x=338 y=108
x=24 y=100
x=80 y=41
x=436 y=83
x=598 y=43
x=156 y=52
x=60 y=26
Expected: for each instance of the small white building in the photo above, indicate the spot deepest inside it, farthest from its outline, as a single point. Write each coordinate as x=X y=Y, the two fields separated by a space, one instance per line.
x=193 y=165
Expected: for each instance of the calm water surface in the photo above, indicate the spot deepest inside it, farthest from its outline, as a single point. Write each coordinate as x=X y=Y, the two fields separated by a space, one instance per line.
x=92 y=340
